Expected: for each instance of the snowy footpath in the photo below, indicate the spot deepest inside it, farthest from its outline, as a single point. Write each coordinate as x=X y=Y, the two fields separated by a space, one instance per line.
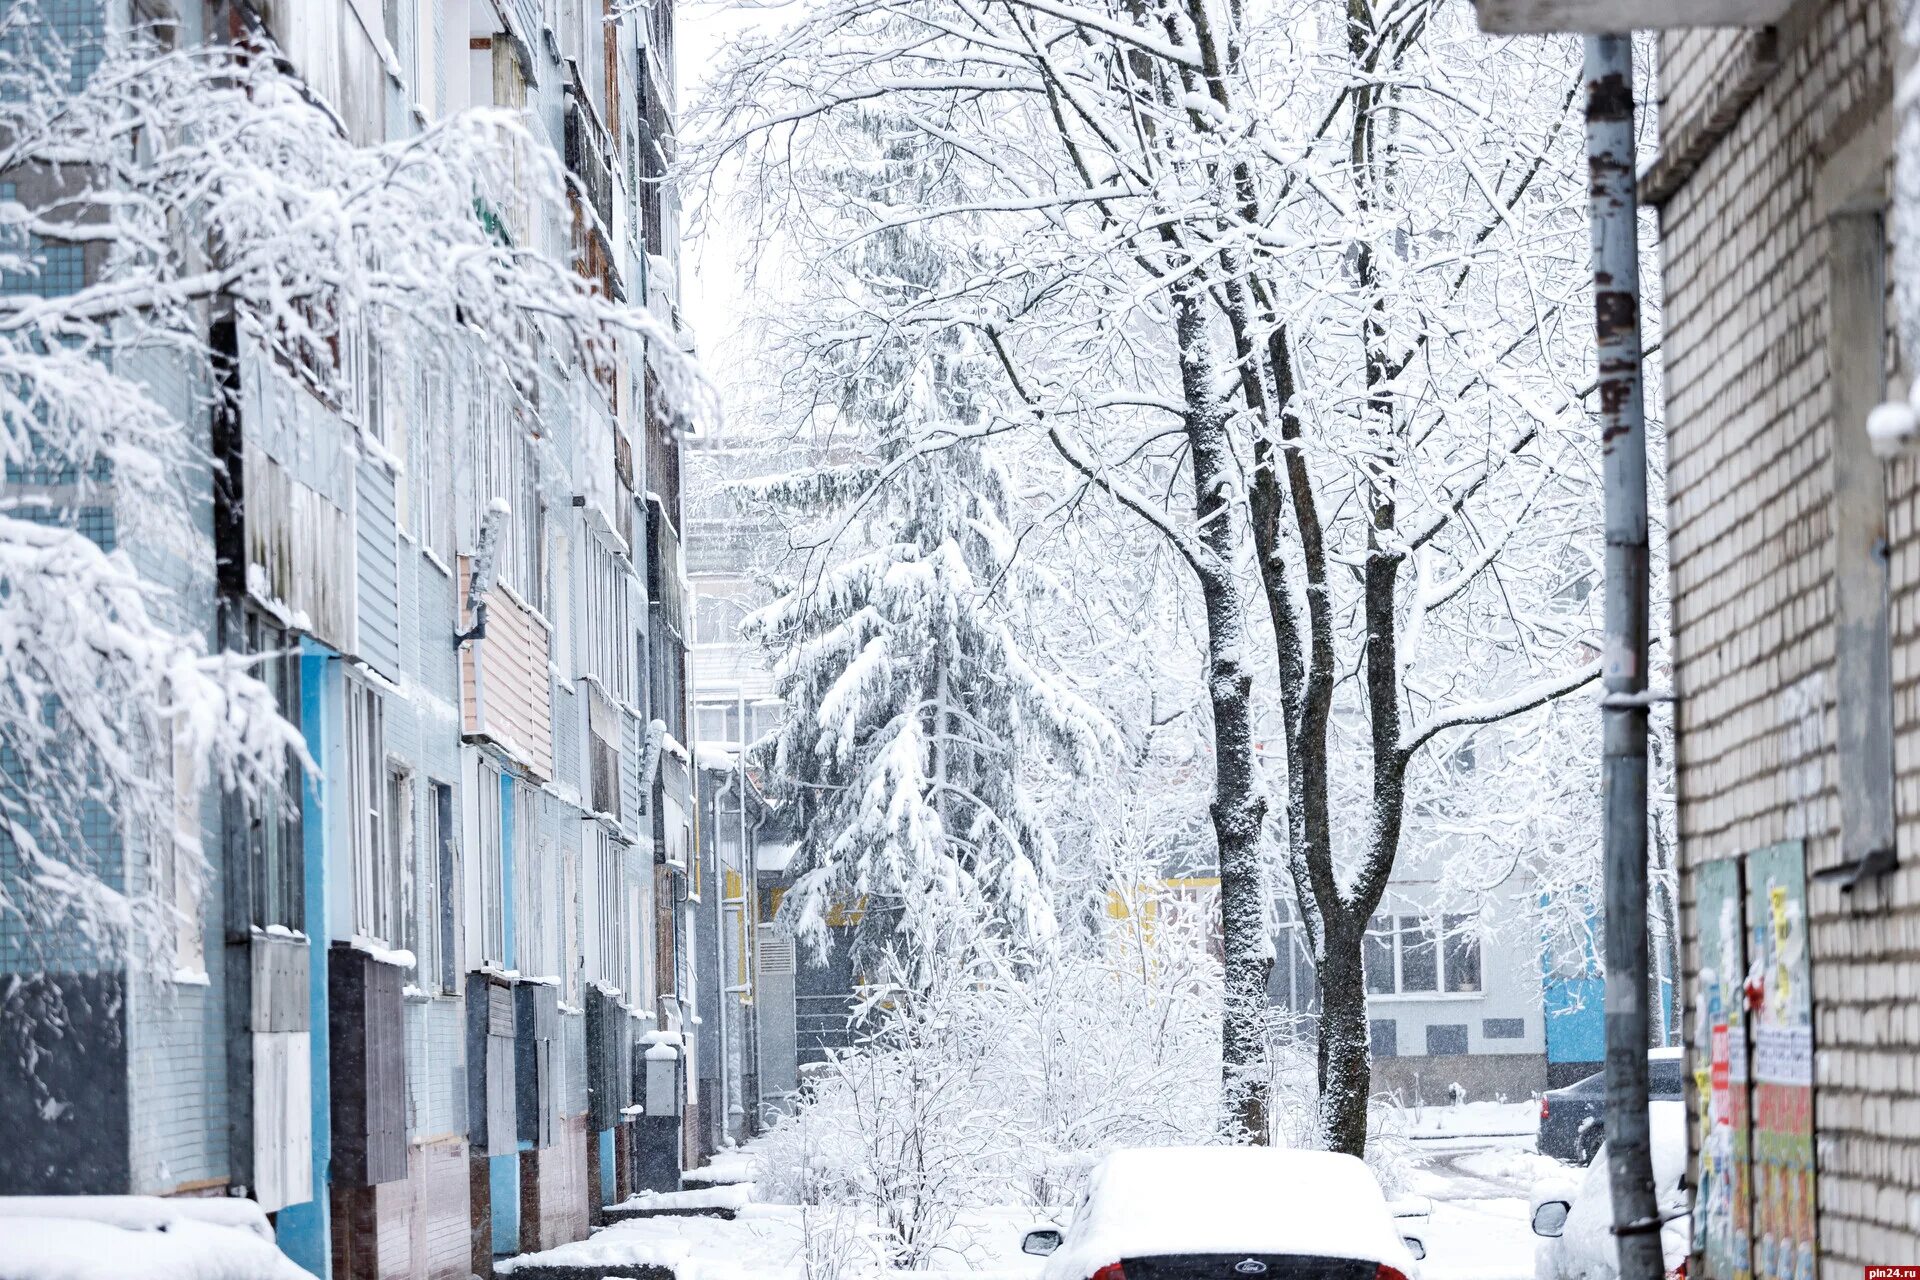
x=1476 y=1165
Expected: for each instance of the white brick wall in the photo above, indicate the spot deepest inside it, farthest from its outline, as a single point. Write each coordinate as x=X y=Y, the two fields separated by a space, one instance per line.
x=1749 y=489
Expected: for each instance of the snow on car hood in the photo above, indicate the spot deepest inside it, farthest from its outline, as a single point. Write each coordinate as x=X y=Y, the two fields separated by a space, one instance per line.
x=1152 y=1202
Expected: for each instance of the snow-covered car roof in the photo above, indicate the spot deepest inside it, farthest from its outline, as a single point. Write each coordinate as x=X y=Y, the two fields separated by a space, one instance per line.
x=113 y=1237
x=1161 y=1201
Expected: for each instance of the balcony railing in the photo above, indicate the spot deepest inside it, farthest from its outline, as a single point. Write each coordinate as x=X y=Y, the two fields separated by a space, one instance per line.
x=589 y=156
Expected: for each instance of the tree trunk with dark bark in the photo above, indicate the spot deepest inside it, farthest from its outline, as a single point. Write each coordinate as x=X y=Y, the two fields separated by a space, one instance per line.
x=1239 y=808
x=1346 y=1068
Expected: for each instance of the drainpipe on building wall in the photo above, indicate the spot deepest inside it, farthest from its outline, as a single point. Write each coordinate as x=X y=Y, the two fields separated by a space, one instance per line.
x=720 y=959
x=738 y=990
x=1614 y=215
x=749 y=938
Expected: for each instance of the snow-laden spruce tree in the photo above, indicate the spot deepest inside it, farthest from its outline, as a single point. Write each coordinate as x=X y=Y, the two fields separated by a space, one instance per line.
x=917 y=723
x=1302 y=288
x=149 y=191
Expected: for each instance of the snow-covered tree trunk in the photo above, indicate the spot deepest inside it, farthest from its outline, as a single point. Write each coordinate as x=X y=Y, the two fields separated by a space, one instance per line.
x=1239 y=804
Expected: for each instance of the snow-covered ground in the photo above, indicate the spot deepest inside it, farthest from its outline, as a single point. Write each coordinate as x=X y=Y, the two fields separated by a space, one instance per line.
x=1479 y=1186
x=1476 y=1164
x=768 y=1242
x=708 y=1196
x=1473 y=1120
x=725 y=1167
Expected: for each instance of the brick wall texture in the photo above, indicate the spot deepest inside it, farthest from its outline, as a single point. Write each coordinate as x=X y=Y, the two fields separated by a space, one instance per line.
x=1750 y=493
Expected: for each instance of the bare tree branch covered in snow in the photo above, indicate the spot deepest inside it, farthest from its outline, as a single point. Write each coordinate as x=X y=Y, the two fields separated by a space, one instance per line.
x=1301 y=288
x=189 y=186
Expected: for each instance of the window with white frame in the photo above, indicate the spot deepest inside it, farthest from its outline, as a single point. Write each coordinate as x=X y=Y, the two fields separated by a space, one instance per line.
x=717 y=722
x=424 y=76
x=560 y=599
x=1422 y=955
x=490 y=935
x=362 y=400
x=764 y=719
x=509 y=472
x=273 y=835
x=404 y=853
x=399 y=390
x=440 y=893
x=180 y=864
x=537 y=895
x=1293 y=984
x=433 y=468
x=375 y=871
x=717 y=619
x=539 y=593
x=571 y=942
x=609 y=900
x=608 y=653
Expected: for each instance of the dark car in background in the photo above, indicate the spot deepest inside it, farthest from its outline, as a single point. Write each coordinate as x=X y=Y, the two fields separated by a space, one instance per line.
x=1573 y=1120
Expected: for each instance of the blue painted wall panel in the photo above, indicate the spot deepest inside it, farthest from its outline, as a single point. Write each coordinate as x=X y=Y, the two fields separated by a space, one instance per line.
x=608 y=1184
x=1576 y=1019
x=302 y=1229
x=503 y=1182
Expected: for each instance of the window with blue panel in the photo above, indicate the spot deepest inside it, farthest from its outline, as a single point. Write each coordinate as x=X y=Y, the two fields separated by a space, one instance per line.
x=54 y=270
x=50 y=271
x=92 y=522
x=67 y=33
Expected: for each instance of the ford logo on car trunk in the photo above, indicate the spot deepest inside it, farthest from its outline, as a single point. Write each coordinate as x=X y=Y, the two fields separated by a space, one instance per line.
x=1250 y=1267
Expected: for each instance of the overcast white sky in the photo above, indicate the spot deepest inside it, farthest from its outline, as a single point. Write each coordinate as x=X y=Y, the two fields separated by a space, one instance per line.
x=711 y=291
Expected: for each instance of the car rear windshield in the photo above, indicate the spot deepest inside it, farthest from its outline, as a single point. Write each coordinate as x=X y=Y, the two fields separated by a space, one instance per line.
x=1239 y=1266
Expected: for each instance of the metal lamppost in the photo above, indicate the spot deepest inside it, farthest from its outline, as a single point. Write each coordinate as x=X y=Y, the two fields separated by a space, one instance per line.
x=1614 y=214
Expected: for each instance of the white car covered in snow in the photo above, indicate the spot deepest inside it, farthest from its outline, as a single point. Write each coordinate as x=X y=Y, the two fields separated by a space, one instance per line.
x=123 y=1237
x=1228 y=1213
x=1575 y=1222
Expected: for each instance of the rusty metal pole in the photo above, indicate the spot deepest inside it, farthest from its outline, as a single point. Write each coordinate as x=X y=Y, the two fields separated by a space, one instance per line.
x=1616 y=304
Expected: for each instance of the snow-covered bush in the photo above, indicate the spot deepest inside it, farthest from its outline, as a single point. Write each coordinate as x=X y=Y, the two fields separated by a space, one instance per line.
x=1004 y=1079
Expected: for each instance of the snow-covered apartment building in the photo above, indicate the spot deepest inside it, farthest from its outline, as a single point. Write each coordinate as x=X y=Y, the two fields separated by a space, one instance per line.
x=1474 y=998
x=779 y=1008
x=439 y=1006
x=1787 y=228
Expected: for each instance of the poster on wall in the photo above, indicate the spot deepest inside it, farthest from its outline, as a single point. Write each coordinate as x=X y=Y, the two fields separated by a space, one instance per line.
x=1722 y=1231
x=1779 y=1004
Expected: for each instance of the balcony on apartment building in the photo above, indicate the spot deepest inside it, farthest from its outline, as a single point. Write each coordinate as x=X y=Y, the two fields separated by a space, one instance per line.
x=506 y=698
x=594 y=185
